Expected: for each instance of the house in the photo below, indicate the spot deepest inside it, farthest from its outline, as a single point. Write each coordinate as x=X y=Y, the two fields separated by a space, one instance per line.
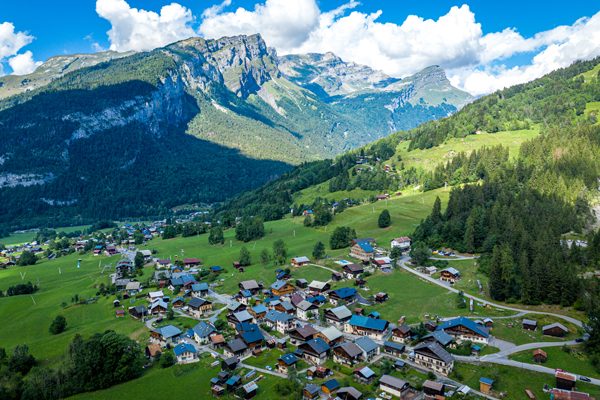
x=202 y=331
x=463 y=329
x=331 y=335
x=318 y=299
x=217 y=341
x=433 y=390
x=540 y=356
x=440 y=337
x=281 y=322
x=368 y=347
x=215 y=269
x=365 y=326
x=153 y=296
x=488 y=322
x=252 y=286
x=284 y=306
x=302 y=283
x=238 y=317
x=153 y=350
x=286 y=361
x=147 y=255
x=138 y=311
x=337 y=276
x=121 y=284
x=251 y=335
x=450 y=275
x=159 y=307
x=565 y=380
x=311 y=392
x=318 y=287
x=302 y=334
x=403 y=243
x=383 y=263
x=529 y=324
x=233 y=382
x=347 y=353
x=185 y=353
x=348 y=393
x=235 y=348
x=380 y=297
x=250 y=390
x=258 y=311
x=556 y=329
x=338 y=316
x=433 y=356
x=282 y=288
x=192 y=262
x=165 y=335
x=352 y=271
x=124 y=267
x=315 y=351
x=402 y=334
x=244 y=297
x=364 y=375
x=343 y=295
x=394 y=386
x=133 y=288
x=485 y=385
x=330 y=386
x=306 y=310
x=362 y=251
x=299 y=261
x=393 y=348
x=164 y=263
x=178 y=302
x=199 y=289
x=199 y=307
x=235 y=306
x=120 y=313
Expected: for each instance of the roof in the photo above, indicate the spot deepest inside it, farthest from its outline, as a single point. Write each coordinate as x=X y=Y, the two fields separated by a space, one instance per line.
x=351 y=349
x=368 y=323
x=436 y=349
x=555 y=325
x=259 y=309
x=289 y=358
x=233 y=380
x=394 y=345
x=366 y=344
x=467 y=323
x=366 y=372
x=529 y=322
x=317 y=284
x=250 y=387
x=184 y=348
x=305 y=305
x=341 y=312
x=198 y=287
x=250 y=285
x=242 y=316
x=331 y=384
x=402 y=239
x=441 y=337
x=197 y=302
x=560 y=374
x=354 y=267
x=306 y=330
x=169 y=331
x=156 y=294
x=311 y=388
x=250 y=333
x=203 y=329
x=216 y=268
x=332 y=333
x=318 y=345
x=301 y=259
x=437 y=386
x=278 y=284
x=487 y=381
x=366 y=246
x=392 y=381
x=236 y=345
x=355 y=393
x=345 y=292
x=278 y=316
x=451 y=270
x=133 y=286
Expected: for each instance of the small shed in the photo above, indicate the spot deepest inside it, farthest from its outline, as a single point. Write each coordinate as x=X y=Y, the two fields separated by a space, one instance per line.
x=485 y=385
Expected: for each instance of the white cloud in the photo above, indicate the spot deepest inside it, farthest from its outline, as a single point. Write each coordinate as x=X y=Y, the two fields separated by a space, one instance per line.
x=139 y=30
x=23 y=64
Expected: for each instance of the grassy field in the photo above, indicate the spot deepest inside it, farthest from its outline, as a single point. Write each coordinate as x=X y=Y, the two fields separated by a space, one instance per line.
x=24 y=237
x=592 y=73
x=575 y=360
x=511 y=329
x=511 y=381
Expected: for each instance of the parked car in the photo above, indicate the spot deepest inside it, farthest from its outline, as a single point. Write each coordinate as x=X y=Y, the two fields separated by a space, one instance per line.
x=585 y=379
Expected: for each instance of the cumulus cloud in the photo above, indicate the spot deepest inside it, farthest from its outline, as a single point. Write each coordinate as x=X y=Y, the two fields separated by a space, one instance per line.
x=11 y=42
x=139 y=30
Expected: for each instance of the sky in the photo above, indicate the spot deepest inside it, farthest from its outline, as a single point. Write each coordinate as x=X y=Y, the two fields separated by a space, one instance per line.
x=483 y=45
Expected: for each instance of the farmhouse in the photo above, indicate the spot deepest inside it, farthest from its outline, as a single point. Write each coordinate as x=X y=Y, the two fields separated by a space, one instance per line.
x=166 y=335
x=362 y=250
x=556 y=329
x=402 y=334
x=450 y=275
x=403 y=243
x=464 y=329
x=159 y=307
x=433 y=356
x=315 y=351
x=331 y=335
x=235 y=348
x=286 y=361
x=393 y=348
x=394 y=386
x=306 y=310
x=199 y=307
x=185 y=353
x=365 y=326
x=338 y=316
x=199 y=289
x=341 y=296
x=299 y=261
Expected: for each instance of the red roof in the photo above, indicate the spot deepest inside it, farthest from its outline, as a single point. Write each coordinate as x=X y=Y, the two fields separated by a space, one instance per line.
x=192 y=261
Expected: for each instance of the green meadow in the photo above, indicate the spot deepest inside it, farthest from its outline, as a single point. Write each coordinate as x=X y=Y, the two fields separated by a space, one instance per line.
x=573 y=359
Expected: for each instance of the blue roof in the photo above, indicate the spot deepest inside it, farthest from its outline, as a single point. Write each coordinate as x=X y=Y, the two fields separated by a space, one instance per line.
x=278 y=316
x=281 y=275
x=216 y=268
x=367 y=372
x=250 y=333
x=169 y=331
x=487 y=381
x=246 y=293
x=366 y=246
x=366 y=344
x=394 y=345
x=183 y=348
x=345 y=292
x=259 y=309
x=319 y=345
x=374 y=314
x=476 y=347
x=278 y=285
x=368 y=323
x=176 y=299
x=233 y=380
x=289 y=358
x=177 y=281
x=203 y=329
x=331 y=384
x=466 y=322
x=198 y=287
x=316 y=299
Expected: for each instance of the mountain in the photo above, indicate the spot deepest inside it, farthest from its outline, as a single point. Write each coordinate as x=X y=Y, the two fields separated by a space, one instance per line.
x=114 y=135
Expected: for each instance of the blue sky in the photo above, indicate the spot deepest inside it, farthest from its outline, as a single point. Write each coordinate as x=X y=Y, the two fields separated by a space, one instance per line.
x=71 y=26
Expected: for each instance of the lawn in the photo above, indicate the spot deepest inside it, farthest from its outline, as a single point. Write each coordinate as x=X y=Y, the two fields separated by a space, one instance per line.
x=511 y=330
x=266 y=358
x=510 y=380
x=575 y=360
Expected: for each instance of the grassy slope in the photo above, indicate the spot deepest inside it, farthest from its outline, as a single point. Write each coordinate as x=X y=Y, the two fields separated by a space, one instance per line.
x=575 y=361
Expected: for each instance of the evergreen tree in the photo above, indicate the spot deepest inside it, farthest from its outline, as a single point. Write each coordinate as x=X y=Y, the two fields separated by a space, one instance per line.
x=436 y=212
x=318 y=251
x=265 y=257
x=170 y=232
x=138 y=261
x=279 y=252
x=384 y=219
x=420 y=253
x=342 y=237
x=245 y=258
x=496 y=282
x=215 y=235
x=27 y=258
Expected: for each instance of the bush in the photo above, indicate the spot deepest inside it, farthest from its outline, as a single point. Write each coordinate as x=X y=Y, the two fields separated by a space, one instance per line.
x=58 y=325
x=27 y=258
x=342 y=237
x=167 y=360
x=384 y=219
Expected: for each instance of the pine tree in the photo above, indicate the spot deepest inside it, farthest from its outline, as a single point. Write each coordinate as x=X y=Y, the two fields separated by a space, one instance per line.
x=319 y=250
x=245 y=258
x=279 y=252
x=496 y=282
x=385 y=219
x=436 y=212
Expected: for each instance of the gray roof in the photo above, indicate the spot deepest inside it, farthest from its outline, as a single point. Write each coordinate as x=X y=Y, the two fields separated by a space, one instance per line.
x=305 y=305
x=436 y=349
x=331 y=333
x=236 y=345
x=555 y=325
x=341 y=312
x=242 y=316
x=529 y=322
x=278 y=316
x=366 y=344
x=355 y=393
x=351 y=349
x=392 y=381
x=249 y=285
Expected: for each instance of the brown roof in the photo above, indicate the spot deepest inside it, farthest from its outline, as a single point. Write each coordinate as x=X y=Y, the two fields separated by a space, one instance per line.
x=565 y=375
x=306 y=330
x=569 y=395
x=539 y=352
x=437 y=386
x=217 y=339
x=154 y=349
x=354 y=267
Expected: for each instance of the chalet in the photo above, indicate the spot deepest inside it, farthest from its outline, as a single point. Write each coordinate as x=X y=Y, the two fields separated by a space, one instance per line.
x=239 y=317
x=199 y=289
x=250 y=390
x=402 y=334
x=348 y=393
x=302 y=334
x=338 y=316
x=217 y=341
x=165 y=335
x=383 y=263
x=163 y=263
x=281 y=322
x=331 y=335
x=394 y=386
x=362 y=251
x=433 y=356
x=315 y=351
x=284 y=306
x=147 y=255
x=306 y=310
x=124 y=267
x=244 y=297
x=111 y=250
x=450 y=275
x=318 y=287
x=365 y=326
x=178 y=302
x=343 y=295
x=252 y=286
x=540 y=356
x=282 y=274
x=159 y=307
x=202 y=331
x=463 y=329
x=318 y=372
x=393 y=348
x=153 y=296
x=403 y=243
x=364 y=375
x=233 y=382
x=311 y=392
x=138 y=311
x=369 y=349
x=153 y=351
x=352 y=271
x=133 y=288
x=565 y=380
x=529 y=324
x=98 y=250
x=300 y=261
x=556 y=329
x=318 y=299
x=282 y=288
x=286 y=361
x=192 y=262
x=185 y=353
x=433 y=390
x=347 y=353
x=440 y=337
x=235 y=348
x=199 y=307
x=258 y=312
x=181 y=279
x=235 y=306
x=330 y=386
x=251 y=335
